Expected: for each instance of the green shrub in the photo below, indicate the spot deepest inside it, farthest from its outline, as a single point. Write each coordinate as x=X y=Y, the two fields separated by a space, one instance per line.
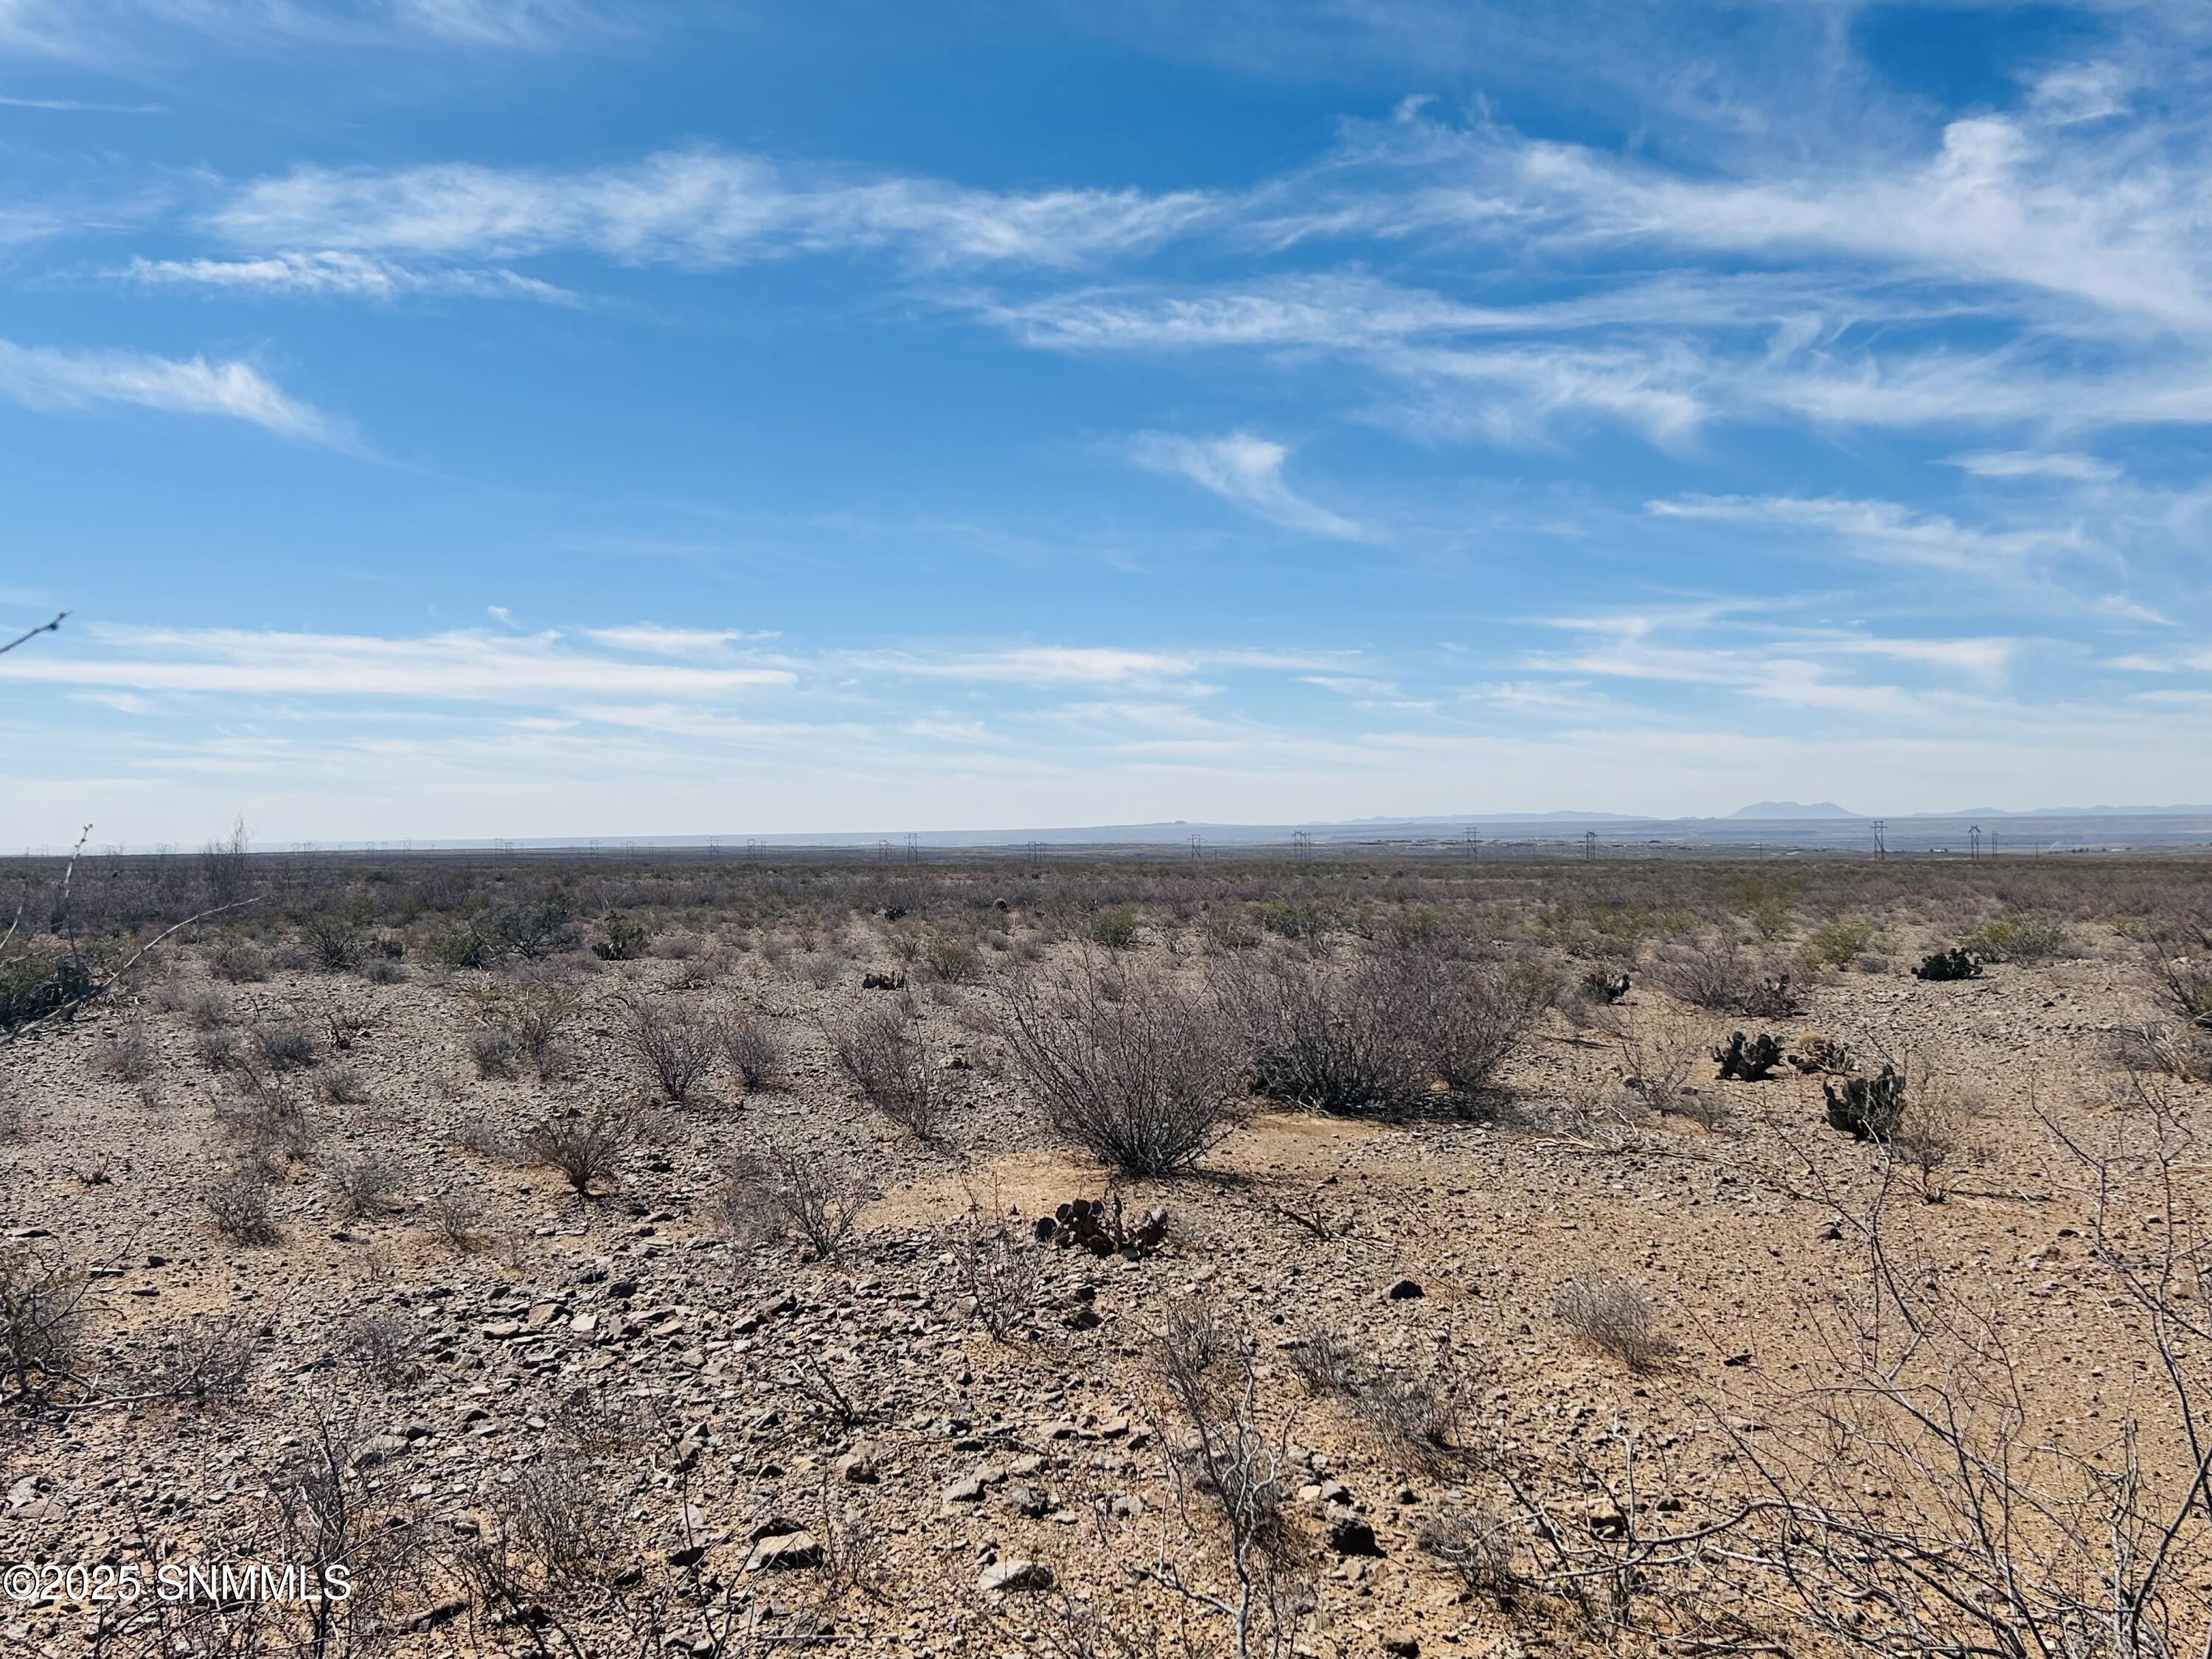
x=1115 y=927
x=1838 y=944
x=36 y=982
x=2014 y=937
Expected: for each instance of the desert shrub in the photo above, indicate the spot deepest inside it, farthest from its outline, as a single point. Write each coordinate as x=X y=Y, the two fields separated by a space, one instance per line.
x=128 y=1056
x=952 y=960
x=237 y=1204
x=2014 y=937
x=208 y=1011
x=1716 y=974
x=536 y=931
x=534 y=1009
x=376 y=1343
x=1838 y=944
x=267 y=1117
x=1304 y=921
x=1001 y=1268
x=467 y=944
x=1115 y=926
x=1932 y=1130
x=1615 y=1317
x=1477 y=1548
x=1324 y=1038
x=342 y=1084
x=1144 y=1080
x=582 y=1148
x=285 y=1045
x=1416 y=1425
x=363 y=1186
x=673 y=1043
x=495 y=1050
x=773 y=1195
x=219 y=1050
x=880 y=1048
x=458 y=1220
x=238 y=961
x=755 y=1049
x=625 y=939
x=337 y=935
x=44 y=1309
x=35 y=983
x=1326 y=1365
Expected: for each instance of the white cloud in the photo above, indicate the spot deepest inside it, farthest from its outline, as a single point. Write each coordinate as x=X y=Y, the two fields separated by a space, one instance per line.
x=1885 y=531
x=466 y=665
x=1037 y=665
x=333 y=273
x=650 y=637
x=1247 y=472
x=42 y=378
x=702 y=207
x=2032 y=464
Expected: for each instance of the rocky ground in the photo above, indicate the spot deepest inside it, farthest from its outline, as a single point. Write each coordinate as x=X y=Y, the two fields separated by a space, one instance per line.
x=652 y=1430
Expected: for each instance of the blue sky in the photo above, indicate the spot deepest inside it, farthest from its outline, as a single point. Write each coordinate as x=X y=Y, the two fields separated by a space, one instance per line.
x=511 y=418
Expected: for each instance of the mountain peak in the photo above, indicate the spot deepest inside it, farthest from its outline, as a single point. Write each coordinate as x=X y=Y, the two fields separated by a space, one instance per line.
x=1792 y=809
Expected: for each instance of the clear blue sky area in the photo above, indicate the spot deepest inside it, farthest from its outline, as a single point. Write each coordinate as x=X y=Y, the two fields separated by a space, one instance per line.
x=527 y=418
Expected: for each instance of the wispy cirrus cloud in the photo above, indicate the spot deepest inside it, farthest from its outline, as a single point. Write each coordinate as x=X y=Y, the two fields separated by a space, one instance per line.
x=333 y=274
x=105 y=32
x=43 y=378
x=472 y=665
x=1887 y=531
x=703 y=208
x=1247 y=472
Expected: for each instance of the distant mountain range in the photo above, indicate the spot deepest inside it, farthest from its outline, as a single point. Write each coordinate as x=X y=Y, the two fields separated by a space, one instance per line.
x=1776 y=810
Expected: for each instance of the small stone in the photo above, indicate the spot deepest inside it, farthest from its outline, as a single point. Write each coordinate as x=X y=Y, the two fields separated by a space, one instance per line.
x=1349 y=1531
x=785 y=1553
x=1403 y=1644
x=1405 y=1290
x=1016 y=1576
x=968 y=1489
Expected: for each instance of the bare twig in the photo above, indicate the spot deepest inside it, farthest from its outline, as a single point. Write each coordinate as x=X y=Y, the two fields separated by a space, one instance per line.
x=43 y=628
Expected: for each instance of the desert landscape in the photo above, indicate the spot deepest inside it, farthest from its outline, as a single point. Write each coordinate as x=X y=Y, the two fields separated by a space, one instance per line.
x=1346 y=1256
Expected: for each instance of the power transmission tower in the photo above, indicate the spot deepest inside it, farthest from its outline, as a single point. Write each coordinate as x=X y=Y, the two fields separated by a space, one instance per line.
x=1881 y=841
x=1036 y=852
x=1475 y=841
x=1973 y=841
x=1590 y=846
x=1197 y=847
x=913 y=848
x=1301 y=844
x=883 y=852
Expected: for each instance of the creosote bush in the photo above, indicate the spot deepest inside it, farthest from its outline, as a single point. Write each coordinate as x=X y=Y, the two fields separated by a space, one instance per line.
x=880 y=1048
x=673 y=1043
x=1139 y=1072
x=581 y=1147
x=755 y=1050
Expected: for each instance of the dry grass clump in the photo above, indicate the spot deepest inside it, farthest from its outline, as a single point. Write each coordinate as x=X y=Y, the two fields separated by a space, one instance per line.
x=1477 y=1548
x=1141 y=1073
x=237 y=1204
x=365 y=1186
x=285 y=1045
x=342 y=1084
x=1617 y=1318
x=128 y=1056
x=458 y=1221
